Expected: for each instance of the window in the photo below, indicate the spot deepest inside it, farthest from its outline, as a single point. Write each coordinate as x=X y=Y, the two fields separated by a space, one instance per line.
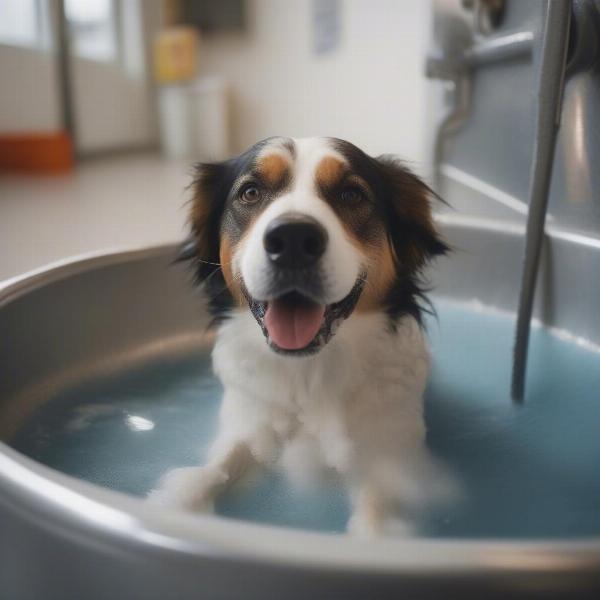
x=92 y=28
x=20 y=22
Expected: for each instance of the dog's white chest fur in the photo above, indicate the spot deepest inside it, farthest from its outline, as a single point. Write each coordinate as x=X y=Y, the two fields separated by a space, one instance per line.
x=366 y=367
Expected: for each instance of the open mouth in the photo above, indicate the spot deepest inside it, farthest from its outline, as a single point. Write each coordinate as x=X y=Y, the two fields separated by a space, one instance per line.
x=296 y=324
x=293 y=321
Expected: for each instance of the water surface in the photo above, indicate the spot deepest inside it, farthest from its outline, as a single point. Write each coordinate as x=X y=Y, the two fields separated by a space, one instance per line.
x=531 y=471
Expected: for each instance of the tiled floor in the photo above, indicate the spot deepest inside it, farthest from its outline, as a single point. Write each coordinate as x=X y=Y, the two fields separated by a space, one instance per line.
x=118 y=202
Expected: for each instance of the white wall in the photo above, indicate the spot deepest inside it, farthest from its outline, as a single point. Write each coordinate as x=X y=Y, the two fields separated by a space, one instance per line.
x=370 y=91
x=112 y=109
x=29 y=94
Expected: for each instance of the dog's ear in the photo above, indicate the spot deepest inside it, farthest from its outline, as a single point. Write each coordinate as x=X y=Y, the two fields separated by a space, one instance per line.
x=209 y=194
x=412 y=231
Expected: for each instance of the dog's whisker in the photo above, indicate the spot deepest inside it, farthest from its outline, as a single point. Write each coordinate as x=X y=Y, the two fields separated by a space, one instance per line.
x=208 y=262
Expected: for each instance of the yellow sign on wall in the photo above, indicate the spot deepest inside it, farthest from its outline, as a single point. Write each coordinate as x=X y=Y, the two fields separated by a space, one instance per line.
x=176 y=54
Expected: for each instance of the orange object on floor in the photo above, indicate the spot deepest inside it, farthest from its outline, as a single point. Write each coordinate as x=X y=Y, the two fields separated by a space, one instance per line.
x=36 y=153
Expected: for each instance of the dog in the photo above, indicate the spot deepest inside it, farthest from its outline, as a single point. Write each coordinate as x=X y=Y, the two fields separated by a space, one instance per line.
x=310 y=253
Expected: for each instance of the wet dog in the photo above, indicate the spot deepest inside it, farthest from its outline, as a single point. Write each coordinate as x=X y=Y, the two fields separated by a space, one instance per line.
x=310 y=253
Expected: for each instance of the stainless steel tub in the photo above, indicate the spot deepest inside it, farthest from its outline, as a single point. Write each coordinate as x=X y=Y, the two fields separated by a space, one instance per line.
x=64 y=538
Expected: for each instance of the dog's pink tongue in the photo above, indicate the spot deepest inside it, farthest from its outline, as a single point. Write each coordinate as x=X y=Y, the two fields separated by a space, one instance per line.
x=293 y=326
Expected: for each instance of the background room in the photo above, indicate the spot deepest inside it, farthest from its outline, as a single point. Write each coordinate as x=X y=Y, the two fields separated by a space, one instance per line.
x=105 y=104
x=426 y=366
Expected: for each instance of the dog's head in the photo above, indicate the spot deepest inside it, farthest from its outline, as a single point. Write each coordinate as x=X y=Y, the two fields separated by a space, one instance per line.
x=305 y=232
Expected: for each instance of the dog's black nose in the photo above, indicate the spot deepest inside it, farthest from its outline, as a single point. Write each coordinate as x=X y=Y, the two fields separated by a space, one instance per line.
x=294 y=241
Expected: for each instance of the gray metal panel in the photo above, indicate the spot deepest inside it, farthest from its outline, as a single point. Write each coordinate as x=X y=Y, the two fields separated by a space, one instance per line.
x=495 y=143
x=575 y=194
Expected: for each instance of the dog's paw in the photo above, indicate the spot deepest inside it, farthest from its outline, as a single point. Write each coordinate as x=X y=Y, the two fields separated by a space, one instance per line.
x=365 y=526
x=188 y=488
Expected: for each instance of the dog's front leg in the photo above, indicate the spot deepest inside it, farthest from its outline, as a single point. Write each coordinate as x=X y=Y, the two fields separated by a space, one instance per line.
x=391 y=466
x=196 y=488
x=245 y=437
x=376 y=511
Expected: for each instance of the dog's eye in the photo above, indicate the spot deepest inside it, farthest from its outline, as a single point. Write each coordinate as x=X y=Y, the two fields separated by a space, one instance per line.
x=250 y=194
x=352 y=195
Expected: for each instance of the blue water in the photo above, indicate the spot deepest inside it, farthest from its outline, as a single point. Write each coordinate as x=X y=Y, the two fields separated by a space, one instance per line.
x=531 y=471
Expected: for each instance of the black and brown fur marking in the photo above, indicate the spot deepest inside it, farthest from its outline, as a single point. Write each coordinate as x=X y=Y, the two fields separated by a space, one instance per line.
x=393 y=226
x=218 y=221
